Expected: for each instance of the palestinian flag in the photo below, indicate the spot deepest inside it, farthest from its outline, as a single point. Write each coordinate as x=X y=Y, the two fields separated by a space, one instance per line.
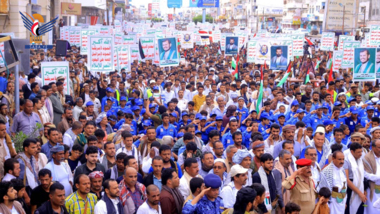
x=331 y=73
x=261 y=91
x=288 y=70
x=317 y=65
x=307 y=79
x=308 y=41
x=235 y=65
x=329 y=62
x=219 y=50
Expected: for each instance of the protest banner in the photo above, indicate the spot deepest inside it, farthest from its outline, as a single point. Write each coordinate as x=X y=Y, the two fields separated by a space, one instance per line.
x=251 y=51
x=168 y=52
x=364 y=64
x=50 y=71
x=216 y=36
x=150 y=32
x=263 y=51
x=84 y=33
x=343 y=38
x=156 y=60
x=74 y=38
x=100 y=53
x=187 y=40
x=289 y=43
x=337 y=60
x=147 y=48
x=232 y=43
x=123 y=58
x=279 y=57
x=374 y=35
x=105 y=30
x=327 y=41
x=205 y=39
x=348 y=53
x=134 y=52
x=115 y=58
x=118 y=38
x=129 y=39
x=377 y=67
x=298 y=40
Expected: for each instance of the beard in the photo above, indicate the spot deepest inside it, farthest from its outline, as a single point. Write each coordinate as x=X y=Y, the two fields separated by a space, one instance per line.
x=166 y=161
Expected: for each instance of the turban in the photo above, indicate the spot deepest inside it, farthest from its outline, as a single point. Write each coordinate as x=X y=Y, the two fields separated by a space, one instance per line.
x=374 y=129
x=240 y=155
x=257 y=144
x=288 y=128
x=100 y=117
x=57 y=148
x=96 y=174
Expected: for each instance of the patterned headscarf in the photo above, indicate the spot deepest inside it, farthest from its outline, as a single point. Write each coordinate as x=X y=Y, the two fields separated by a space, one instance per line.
x=96 y=174
x=240 y=155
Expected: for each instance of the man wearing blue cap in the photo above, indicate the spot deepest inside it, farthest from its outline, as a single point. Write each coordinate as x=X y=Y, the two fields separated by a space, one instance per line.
x=90 y=111
x=329 y=126
x=317 y=118
x=293 y=110
x=242 y=109
x=208 y=201
x=335 y=116
x=110 y=95
x=353 y=119
x=264 y=125
x=370 y=111
x=299 y=116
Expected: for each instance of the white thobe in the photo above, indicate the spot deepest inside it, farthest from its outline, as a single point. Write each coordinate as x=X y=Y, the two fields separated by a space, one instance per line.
x=370 y=209
x=61 y=173
x=340 y=181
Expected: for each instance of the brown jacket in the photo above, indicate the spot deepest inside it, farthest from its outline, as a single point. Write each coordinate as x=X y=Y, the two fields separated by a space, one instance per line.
x=369 y=163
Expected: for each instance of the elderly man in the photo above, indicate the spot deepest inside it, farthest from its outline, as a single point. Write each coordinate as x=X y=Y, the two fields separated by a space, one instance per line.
x=301 y=186
x=133 y=193
x=283 y=166
x=288 y=133
x=60 y=171
x=244 y=159
x=311 y=154
x=230 y=152
x=372 y=173
x=334 y=178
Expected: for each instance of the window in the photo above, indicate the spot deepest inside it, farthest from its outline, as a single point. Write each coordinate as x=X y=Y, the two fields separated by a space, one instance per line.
x=373 y=12
x=362 y=9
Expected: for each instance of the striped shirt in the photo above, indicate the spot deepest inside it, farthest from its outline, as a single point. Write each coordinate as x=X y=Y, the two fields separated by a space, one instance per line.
x=76 y=205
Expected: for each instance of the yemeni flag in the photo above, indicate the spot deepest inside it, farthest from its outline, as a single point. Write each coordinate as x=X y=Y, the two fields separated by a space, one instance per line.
x=288 y=70
x=141 y=51
x=308 y=41
x=235 y=65
x=261 y=91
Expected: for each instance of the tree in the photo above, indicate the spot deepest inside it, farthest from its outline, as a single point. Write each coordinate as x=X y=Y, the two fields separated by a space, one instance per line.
x=199 y=18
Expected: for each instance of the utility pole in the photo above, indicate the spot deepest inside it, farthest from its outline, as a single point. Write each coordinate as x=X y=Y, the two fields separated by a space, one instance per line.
x=344 y=6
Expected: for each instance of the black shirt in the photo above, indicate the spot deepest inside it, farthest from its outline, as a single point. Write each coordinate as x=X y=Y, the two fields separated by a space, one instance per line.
x=83 y=169
x=73 y=164
x=39 y=196
x=304 y=98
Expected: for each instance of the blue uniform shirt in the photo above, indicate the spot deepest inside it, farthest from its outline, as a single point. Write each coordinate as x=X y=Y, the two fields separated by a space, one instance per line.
x=204 y=206
x=104 y=102
x=161 y=131
x=351 y=124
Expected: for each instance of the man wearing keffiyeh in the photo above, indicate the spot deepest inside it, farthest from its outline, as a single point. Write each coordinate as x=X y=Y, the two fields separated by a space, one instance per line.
x=244 y=158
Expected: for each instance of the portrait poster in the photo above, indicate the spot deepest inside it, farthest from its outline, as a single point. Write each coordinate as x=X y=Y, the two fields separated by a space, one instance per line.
x=232 y=45
x=100 y=53
x=337 y=60
x=168 y=52
x=251 y=51
x=263 y=51
x=279 y=58
x=223 y=40
x=187 y=40
x=377 y=67
x=348 y=53
x=156 y=60
x=364 y=64
x=50 y=71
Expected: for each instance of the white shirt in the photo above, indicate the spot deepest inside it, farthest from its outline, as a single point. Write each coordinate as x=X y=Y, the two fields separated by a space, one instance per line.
x=8 y=155
x=97 y=104
x=228 y=195
x=76 y=112
x=182 y=104
x=8 y=177
x=339 y=177
x=14 y=211
x=101 y=207
x=146 y=209
x=315 y=173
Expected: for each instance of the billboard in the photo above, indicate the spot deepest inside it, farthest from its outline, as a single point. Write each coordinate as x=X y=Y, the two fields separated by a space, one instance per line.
x=204 y=3
x=334 y=15
x=174 y=3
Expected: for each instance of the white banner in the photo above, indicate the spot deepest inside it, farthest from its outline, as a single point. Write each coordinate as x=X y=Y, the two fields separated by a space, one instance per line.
x=337 y=60
x=134 y=52
x=100 y=53
x=148 y=48
x=374 y=35
x=348 y=53
x=74 y=38
x=342 y=39
x=251 y=51
x=298 y=40
x=327 y=41
x=187 y=40
x=263 y=52
x=84 y=33
x=50 y=71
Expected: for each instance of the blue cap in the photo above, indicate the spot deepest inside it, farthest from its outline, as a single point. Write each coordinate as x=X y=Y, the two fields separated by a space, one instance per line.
x=204 y=118
x=89 y=103
x=213 y=181
x=351 y=99
x=134 y=108
x=174 y=114
x=325 y=105
x=185 y=114
x=139 y=102
x=213 y=114
x=155 y=88
x=147 y=123
x=110 y=90
x=152 y=105
x=318 y=106
x=299 y=111
x=198 y=116
x=180 y=134
x=143 y=111
x=337 y=103
x=327 y=122
x=281 y=115
x=218 y=117
x=241 y=98
x=295 y=103
x=232 y=118
x=378 y=102
x=198 y=132
x=123 y=98
x=264 y=116
x=252 y=111
x=369 y=102
x=370 y=107
x=354 y=110
x=125 y=111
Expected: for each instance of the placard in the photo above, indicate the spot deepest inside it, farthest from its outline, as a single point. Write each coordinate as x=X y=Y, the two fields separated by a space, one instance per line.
x=50 y=71
x=263 y=52
x=344 y=38
x=377 y=67
x=289 y=43
x=298 y=44
x=134 y=52
x=187 y=40
x=223 y=40
x=216 y=36
x=84 y=33
x=337 y=60
x=279 y=57
x=168 y=52
x=251 y=51
x=364 y=63
x=374 y=35
x=327 y=41
x=118 y=38
x=348 y=53
x=156 y=60
x=74 y=38
x=105 y=30
x=123 y=58
x=100 y=53
x=129 y=40
x=232 y=45
x=147 y=46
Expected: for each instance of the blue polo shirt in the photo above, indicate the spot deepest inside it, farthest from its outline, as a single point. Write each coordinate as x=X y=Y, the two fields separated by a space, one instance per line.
x=338 y=122
x=104 y=102
x=351 y=124
x=262 y=130
x=244 y=113
x=315 y=121
x=161 y=131
x=227 y=139
x=289 y=115
x=364 y=121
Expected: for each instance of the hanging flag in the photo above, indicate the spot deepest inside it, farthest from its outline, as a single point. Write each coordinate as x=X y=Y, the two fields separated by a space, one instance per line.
x=288 y=70
x=317 y=65
x=233 y=63
x=235 y=73
x=261 y=91
x=308 y=41
x=141 y=51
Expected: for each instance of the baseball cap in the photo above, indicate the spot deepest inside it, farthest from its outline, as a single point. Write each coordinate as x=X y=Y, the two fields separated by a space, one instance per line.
x=237 y=169
x=218 y=117
x=299 y=111
x=110 y=90
x=135 y=108
x=295 y=103
x=354 y=110
x=123 y=98
x=327 y=122
x=147 y=123
x=264 y=116
x=337 y=103
x=174 y=114
x=89 y=103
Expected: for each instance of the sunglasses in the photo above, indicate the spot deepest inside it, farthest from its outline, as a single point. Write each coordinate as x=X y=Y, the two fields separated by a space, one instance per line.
x=217 y=167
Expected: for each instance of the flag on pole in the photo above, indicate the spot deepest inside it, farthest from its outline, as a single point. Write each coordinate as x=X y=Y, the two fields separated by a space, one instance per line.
x=233 y=63
x=307 y=79
x=288 y=70
x=317 y=65
x=235 y=73
x=141 y=51
x=331 y=73
x=329 y=61
x=219 y=51
x=261 y=91
x=308 y=41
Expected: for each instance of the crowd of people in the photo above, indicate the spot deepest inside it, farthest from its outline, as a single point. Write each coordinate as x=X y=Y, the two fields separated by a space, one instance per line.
x=189 y=139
